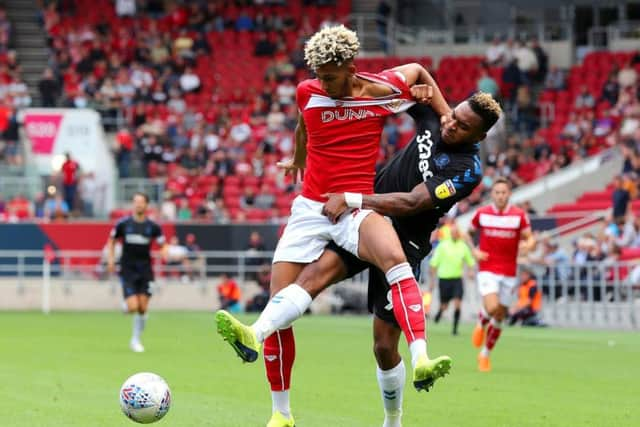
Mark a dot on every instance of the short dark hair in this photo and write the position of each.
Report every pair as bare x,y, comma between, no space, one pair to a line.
501,180
143,195
486,107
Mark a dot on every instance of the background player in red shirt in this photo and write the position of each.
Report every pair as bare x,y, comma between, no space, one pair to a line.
341,119
501,229
70,173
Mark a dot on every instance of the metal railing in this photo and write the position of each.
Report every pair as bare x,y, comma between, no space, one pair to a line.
593,294
27,186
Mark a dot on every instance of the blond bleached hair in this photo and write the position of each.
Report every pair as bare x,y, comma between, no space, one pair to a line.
331,44
486,107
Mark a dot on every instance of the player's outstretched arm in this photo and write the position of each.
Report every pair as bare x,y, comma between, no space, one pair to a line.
528,240
111,255
416,74
389,204
295,167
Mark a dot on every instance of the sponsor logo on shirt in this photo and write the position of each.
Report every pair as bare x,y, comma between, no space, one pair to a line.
442,160
445,190
344,114
502,234
425,143
136,239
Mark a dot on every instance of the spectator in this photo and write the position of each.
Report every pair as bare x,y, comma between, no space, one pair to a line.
220,214
177,258
620,198
275,118
125,7
527,112
183,45
168,208
584,99
487,84
200,45
555,79
542,59
264,47
627,76
189,81
38,205
610,90
496,52
528,208
511,78
329,21
123,156
88,192
571,129
529,301
527,62
184,212
260,300
265,198
70,174
244,22
248,199
286,92
229,294
240,132
56,208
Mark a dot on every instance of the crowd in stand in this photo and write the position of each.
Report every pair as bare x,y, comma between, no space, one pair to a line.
14,95
165,78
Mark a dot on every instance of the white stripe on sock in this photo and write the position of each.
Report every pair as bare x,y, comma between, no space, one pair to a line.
404,309
280,357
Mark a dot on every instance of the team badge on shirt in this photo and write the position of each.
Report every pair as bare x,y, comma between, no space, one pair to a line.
442,160
445,190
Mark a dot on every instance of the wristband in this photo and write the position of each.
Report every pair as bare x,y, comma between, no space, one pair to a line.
353,200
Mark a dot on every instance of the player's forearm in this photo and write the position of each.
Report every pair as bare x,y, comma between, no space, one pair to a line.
111,252
300,150
393,204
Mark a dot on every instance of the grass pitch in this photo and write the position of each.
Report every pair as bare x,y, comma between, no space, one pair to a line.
65,369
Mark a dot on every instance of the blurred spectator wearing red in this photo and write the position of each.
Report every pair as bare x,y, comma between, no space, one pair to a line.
70,170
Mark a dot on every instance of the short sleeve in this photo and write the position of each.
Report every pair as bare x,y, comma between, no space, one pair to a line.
448,188
117,231
475,221
525,222
157,234
302,94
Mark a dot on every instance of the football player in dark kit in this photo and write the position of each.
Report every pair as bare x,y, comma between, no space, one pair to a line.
137,232
439,167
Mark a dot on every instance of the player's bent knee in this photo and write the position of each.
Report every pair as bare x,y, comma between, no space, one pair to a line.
385,350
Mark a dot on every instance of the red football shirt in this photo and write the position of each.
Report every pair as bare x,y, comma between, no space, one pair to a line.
343,135
69,171
500,236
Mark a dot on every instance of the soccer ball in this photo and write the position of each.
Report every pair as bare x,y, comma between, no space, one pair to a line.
145,397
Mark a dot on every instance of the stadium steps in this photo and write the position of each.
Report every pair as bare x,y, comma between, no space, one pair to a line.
368,33
30,43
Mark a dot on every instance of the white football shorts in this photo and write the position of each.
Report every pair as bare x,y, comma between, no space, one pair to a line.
308,232
504,286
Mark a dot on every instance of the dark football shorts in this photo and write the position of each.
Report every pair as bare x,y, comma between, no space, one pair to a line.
450,289
379,292
136,279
